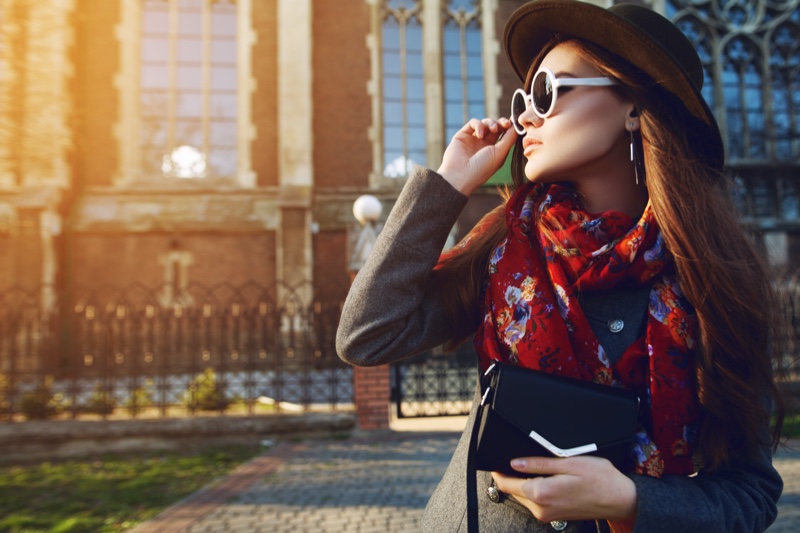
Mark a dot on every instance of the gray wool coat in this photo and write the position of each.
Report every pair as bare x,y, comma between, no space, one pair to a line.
392,312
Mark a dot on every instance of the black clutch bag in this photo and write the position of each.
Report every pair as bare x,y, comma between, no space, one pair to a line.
527,413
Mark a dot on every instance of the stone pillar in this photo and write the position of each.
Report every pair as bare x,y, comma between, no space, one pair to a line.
295,104
434,83
295,145
371,388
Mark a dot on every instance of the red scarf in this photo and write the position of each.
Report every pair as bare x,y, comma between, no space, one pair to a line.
532,317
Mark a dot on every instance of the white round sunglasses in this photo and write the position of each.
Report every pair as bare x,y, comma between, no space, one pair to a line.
544,93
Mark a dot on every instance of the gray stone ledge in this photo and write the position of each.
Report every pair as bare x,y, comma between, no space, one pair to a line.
60,439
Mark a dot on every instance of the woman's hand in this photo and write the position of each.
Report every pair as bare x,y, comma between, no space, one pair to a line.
576,488
476,152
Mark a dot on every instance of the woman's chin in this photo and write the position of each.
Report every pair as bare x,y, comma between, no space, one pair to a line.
534,171
538,177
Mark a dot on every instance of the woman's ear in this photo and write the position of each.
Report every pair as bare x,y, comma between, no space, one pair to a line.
632,120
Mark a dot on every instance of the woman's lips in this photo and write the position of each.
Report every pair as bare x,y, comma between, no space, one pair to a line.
529,144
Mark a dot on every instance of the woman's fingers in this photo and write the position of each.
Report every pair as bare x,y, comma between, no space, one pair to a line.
476,151
578,488
507,136
481,128
542,465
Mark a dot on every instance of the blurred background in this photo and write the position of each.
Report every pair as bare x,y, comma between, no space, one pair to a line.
177,179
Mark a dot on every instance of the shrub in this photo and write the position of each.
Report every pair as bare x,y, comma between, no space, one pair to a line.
4,395
141,398
41,403
204,393
101,401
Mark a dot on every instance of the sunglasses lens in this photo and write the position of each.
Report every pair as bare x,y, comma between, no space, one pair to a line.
517,106
542,91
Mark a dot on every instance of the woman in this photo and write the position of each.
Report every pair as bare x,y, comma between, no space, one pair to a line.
615,259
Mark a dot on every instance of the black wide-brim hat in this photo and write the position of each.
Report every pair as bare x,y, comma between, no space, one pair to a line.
637,34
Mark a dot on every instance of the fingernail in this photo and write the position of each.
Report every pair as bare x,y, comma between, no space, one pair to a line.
518,463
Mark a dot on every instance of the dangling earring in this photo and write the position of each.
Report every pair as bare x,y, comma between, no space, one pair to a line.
633,153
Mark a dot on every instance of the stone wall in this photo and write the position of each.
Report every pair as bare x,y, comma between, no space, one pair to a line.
50,440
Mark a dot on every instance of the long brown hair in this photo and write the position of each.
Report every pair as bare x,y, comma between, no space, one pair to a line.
721,274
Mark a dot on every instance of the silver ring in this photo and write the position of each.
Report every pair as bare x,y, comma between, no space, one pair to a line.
493,493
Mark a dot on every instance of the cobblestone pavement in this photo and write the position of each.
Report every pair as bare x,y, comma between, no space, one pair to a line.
366,484
787,461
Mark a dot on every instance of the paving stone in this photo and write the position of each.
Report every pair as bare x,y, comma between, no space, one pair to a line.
372,487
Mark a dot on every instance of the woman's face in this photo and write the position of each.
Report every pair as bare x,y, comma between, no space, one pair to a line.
585,136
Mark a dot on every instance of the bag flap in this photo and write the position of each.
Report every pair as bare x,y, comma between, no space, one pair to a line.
566,412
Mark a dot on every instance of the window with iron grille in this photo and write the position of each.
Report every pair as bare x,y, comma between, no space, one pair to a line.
462,58
403,86
751,58
188,88
431,76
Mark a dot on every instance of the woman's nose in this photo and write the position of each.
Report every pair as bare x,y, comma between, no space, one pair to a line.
528,117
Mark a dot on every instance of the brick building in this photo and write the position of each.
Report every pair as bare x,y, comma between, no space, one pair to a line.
179,141
159,141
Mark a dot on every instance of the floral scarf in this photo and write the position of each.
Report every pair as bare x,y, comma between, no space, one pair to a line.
553,250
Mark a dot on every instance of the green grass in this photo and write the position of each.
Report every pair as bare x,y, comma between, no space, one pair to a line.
791,426
105,495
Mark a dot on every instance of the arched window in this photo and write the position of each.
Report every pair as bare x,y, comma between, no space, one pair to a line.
429,75
702,39
784,63
35,103
7,172
742,86
462,53
188,88
402,86
750,54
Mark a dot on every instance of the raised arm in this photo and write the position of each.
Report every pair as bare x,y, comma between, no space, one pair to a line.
391,312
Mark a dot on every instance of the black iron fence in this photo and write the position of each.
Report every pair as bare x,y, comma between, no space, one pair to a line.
140,352
436,384
161,352
788,289
767,196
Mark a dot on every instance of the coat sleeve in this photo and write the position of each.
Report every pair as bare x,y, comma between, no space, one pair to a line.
738,498
391,311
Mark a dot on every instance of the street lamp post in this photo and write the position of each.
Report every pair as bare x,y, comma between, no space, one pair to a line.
371,387
367,210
